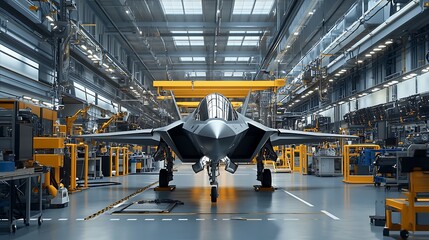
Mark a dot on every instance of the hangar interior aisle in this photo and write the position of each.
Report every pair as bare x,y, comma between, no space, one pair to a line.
209,119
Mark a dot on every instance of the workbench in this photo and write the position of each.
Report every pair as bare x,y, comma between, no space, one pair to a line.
327,165
19,181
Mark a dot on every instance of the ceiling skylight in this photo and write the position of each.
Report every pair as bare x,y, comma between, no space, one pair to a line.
243,59
253,6
243,40
263,6
182,6
237,59
197,74
230,59
192,59
188,40
232,74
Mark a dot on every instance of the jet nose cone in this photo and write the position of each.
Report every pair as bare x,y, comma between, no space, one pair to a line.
216,129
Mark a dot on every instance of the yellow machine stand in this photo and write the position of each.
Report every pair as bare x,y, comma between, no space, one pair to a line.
299,158
53,159
115,160
354,150
73,158
411,209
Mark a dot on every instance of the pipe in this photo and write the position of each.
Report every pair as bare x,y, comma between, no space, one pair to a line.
125,39
276,42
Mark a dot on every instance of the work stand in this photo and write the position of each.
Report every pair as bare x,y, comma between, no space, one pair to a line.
165,189
259,188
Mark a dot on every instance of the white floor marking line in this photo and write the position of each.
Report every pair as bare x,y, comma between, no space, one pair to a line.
132,219
46,219
330,215
62,219
167,219
271,219
80,219
149,219
309,204
200,219
254,219
33,219
226,219
291,219
114,219
183,219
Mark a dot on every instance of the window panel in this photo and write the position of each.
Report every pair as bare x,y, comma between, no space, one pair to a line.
230,59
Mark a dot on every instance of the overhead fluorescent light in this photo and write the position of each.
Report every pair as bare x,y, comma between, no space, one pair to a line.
83,47
381,46
368,55
389,42
48,104
26,97
331,80
50,18
386,85
376,49
359,61
342,102
375,89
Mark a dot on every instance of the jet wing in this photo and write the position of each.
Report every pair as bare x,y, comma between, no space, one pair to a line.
141,137
286,137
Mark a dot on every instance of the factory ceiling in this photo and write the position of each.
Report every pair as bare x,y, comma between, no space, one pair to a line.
217,39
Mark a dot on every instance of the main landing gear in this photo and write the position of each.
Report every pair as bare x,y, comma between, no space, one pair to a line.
165,174
264,175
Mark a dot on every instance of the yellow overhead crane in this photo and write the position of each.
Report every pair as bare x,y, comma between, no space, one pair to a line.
230,89
195,104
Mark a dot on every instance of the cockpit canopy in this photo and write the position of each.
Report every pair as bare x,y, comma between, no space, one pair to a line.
215,105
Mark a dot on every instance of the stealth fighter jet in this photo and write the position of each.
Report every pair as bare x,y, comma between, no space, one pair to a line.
215,132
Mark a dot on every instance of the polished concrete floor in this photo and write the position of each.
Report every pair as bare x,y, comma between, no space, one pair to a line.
303,207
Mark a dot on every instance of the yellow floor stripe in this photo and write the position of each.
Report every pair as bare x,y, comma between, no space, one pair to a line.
118,202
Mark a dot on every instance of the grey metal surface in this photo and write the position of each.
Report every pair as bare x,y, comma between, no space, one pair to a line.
240,213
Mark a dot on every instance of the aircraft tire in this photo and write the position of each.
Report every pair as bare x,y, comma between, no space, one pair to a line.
266,178
163,178
213,194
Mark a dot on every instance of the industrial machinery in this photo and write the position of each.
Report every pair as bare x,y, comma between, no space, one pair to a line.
386,167
16,135
355,171
412,212
50,153
70,120
114,118
327,162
